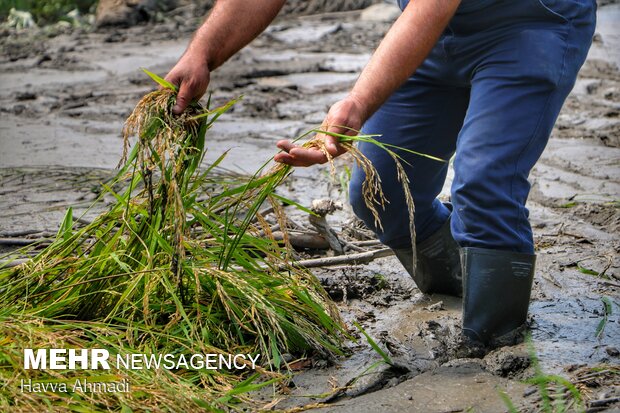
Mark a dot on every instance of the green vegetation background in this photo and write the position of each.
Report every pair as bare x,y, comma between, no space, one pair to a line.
46,11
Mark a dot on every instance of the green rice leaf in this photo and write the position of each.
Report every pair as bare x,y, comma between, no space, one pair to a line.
66,227
373,344
160,80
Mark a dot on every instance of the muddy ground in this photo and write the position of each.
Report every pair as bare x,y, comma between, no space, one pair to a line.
66,92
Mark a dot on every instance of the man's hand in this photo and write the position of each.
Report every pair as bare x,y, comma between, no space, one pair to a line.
344,117
231,25
401,51
191,75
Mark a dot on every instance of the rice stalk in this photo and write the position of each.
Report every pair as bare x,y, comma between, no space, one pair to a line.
162,271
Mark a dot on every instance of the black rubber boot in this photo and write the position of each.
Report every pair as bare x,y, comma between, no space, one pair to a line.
497,287
438,263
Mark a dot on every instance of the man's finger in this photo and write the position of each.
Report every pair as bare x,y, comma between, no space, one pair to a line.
311,156
183,98
331,142
298,156
285,145
331,145
290,160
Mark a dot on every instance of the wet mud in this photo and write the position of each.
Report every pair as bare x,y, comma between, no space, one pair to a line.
66,94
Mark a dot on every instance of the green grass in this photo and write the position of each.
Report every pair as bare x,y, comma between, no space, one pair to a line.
557,394
374,345
46,11
161,272
607,311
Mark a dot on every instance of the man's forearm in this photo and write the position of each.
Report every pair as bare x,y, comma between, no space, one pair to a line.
403,49
231,25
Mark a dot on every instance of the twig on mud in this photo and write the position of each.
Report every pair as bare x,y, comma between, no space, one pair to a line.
552,280
358,258
606,282
297,239
21,242
303,240
344,267
589,376
579,237
352,247
607,266
367,243
603,402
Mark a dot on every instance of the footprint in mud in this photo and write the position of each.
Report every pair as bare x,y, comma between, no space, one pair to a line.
344,286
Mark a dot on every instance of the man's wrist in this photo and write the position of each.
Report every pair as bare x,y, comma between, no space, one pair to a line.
361,102
199,54
199,50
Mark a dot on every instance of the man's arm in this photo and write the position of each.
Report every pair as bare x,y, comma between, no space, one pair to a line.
403,49
231,25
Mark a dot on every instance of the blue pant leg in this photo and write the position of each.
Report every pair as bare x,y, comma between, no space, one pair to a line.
426,118
518,89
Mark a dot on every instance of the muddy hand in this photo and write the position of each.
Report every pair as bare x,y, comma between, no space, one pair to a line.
344,117
191,75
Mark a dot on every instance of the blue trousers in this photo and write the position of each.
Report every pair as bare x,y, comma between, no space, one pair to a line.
489,91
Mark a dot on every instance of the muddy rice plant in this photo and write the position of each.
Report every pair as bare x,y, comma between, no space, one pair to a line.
557,394
168,269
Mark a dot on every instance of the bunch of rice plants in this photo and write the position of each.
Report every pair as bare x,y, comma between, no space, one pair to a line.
162,271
